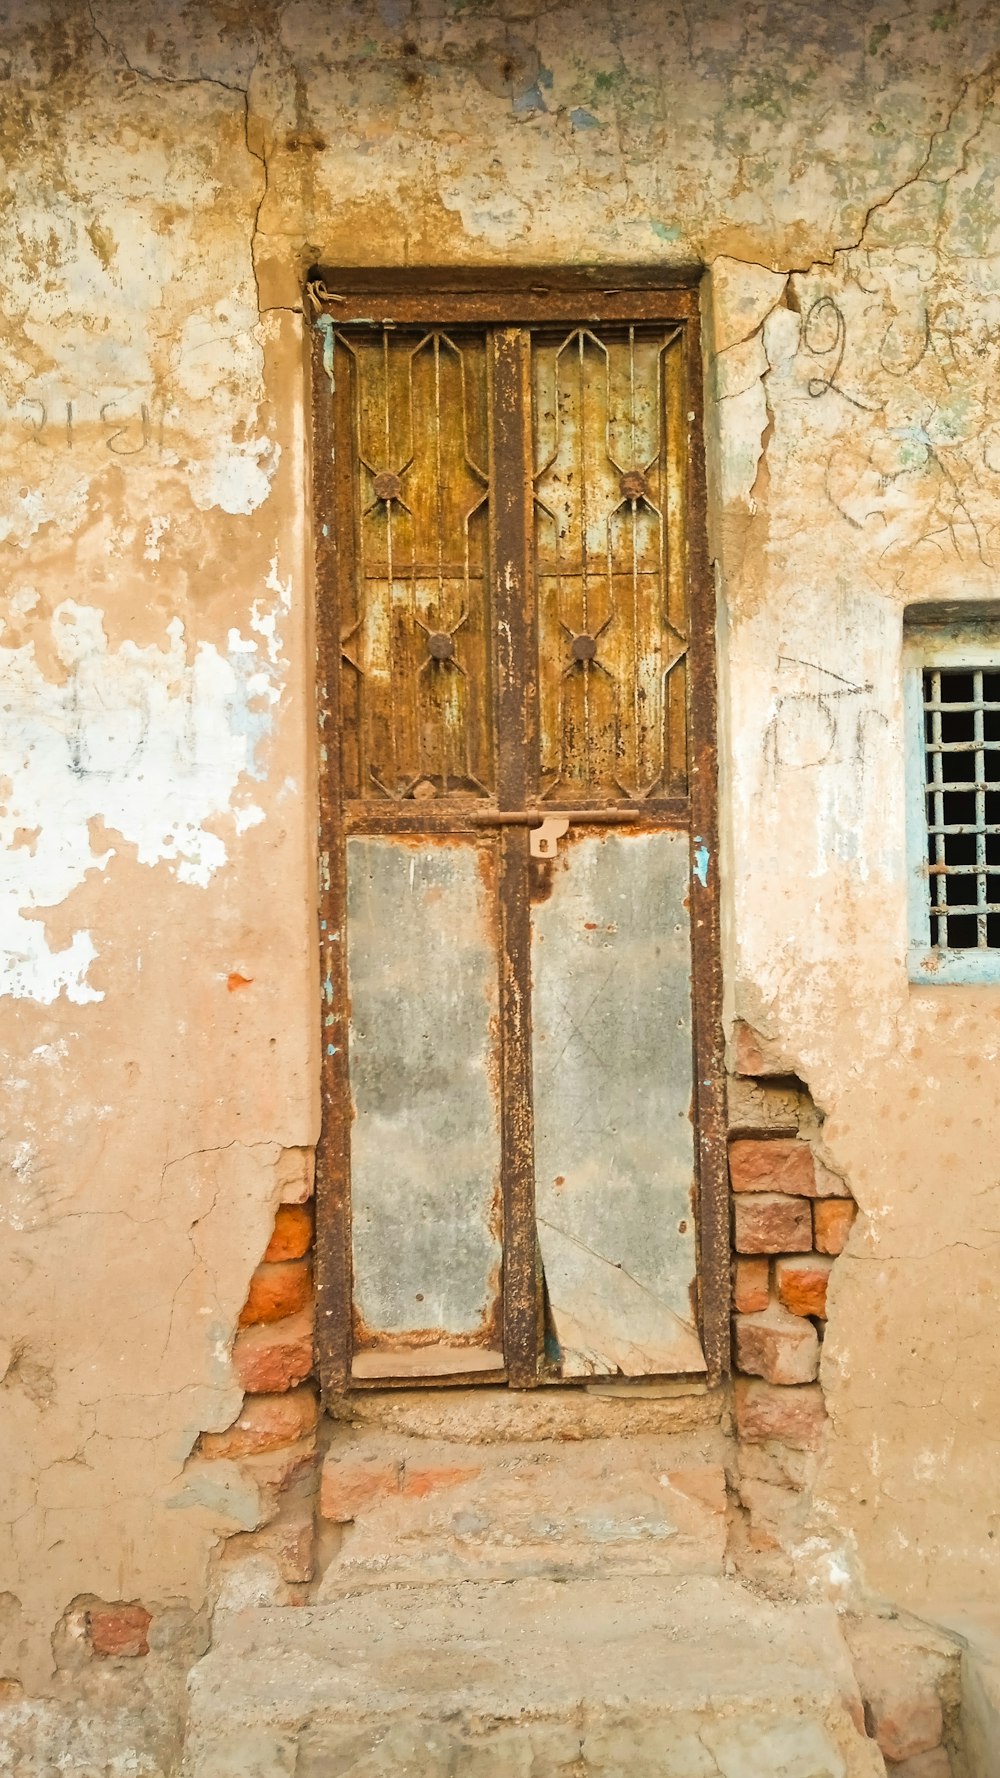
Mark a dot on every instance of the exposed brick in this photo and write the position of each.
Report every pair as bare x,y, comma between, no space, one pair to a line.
277,1291
772,1164
274,1357
790,1416
293,1230
751,1285
279,1474
349,1484
801,1283
266,1423
760,1107
418,1482
766,1222
754,1054
119,1630
832,1219
777,1346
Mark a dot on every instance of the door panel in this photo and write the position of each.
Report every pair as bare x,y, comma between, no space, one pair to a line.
410,409
614,1143
425,1146
608,483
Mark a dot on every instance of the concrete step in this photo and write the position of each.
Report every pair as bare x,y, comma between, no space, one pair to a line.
416,1510
641,1677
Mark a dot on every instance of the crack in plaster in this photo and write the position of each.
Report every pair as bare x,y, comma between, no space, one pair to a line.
226,86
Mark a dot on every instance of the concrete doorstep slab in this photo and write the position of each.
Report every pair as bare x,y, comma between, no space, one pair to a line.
584,1678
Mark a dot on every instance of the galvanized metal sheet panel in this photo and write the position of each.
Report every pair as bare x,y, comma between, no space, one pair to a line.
425,1147
614,1144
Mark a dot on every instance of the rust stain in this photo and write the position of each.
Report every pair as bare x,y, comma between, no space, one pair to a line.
236,980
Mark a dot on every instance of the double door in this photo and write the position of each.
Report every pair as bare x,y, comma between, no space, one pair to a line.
517,1171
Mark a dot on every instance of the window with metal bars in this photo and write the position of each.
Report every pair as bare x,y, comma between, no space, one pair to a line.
954,708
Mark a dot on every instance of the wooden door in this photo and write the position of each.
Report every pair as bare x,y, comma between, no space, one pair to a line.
519,1171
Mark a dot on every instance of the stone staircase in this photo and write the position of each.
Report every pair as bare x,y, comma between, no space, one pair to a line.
610,1677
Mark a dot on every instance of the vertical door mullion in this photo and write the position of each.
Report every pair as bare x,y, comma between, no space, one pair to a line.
516,742
706,965
335,543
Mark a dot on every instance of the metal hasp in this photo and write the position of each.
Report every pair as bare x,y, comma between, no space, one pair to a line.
522,1166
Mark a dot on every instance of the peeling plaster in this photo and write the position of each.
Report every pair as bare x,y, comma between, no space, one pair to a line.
152,742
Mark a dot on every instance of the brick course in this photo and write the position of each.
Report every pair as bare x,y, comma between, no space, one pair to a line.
772,1164
832,1219
777,1346
293,1233
793,1417
751,1285
273,1357
801,1281
766,1222
277,1291
266,1423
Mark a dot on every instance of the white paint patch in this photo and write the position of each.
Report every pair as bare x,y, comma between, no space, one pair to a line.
154,532
238,478
148,741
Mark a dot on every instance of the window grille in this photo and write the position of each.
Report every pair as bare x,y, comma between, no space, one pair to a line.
952,695
962,779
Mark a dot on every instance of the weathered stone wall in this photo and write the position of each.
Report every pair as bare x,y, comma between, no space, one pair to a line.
170,173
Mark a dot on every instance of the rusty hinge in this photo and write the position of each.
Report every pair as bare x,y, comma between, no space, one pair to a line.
548,829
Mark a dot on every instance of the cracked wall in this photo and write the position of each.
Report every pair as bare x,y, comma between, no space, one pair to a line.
171,172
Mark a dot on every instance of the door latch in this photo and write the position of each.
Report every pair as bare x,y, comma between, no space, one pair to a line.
543,842
545,831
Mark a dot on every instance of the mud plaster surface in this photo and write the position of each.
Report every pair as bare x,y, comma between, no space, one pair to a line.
170,173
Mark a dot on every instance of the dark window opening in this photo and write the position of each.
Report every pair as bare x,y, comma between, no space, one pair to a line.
962,799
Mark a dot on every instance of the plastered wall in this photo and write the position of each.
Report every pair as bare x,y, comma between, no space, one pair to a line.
169,174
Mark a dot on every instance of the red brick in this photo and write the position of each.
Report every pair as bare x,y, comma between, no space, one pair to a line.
274,1357
349,1484
791,1416
119,1630
754,1054
766,1222
293,1232
266,1423
779,1347
832,1219
751,1285
276,1292
418,1482
772,1164
801,1283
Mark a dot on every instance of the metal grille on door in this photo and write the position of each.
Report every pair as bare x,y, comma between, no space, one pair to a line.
510,1179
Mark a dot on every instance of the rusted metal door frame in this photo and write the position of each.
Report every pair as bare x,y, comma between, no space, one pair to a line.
507,306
